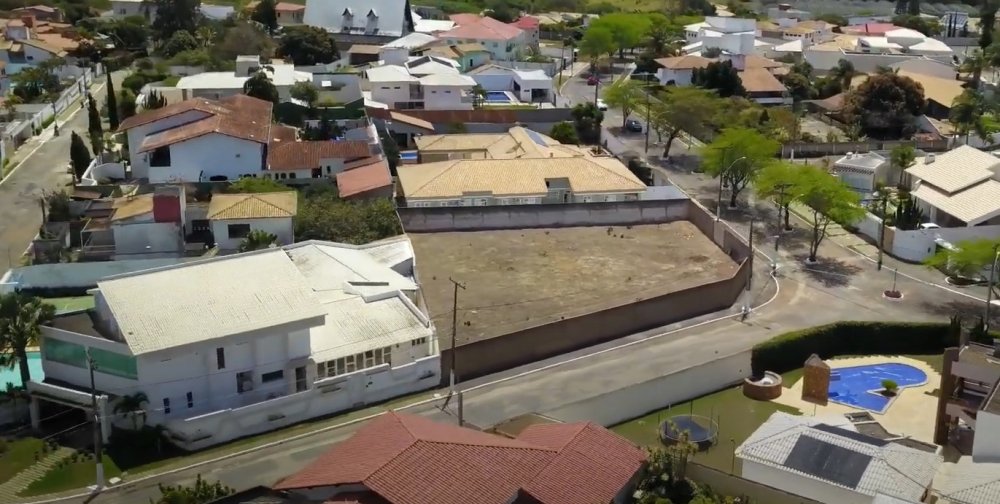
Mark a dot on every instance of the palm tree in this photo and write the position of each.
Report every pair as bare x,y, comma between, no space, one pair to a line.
131,405
256,240
21,318
974,64
478,96
967,114
901,158
844,72
205,36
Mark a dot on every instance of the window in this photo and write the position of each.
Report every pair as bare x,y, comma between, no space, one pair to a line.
244,382
418,341
166,406
160,156
320,370
190,400
239,231
291,175
272,376
300,379
220,353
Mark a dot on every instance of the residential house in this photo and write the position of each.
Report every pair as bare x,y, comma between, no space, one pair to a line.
128,8
234,216
468,56
869,29
27,43
396,87
290,14
41,12
520,181
958,188
399,458
869,52
529,25
832,463
517,143
309,161
215,85
400,50
365,179
763,87
679,70
756,73
968,414
529,86
863,171
199,140
428,25
728,34
147,226
505,42
361,21
360,54
232,346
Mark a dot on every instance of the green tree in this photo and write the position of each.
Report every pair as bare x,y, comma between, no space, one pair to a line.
173,16
627,29
178,42
625,94
886,104
967,114
781,182
154,100
112,103
305,91
737,155
264,13
126,104
257,240
260,86
987,20
564,132
255,185
682,109
94,127
323,216
307,45
21,317
798,86
32,84
834,19
830,200
131,405
843,73
478,96
720,76
243,38
201,492
79,156
974,64
596,42
928,26
588,119
900,158
968,259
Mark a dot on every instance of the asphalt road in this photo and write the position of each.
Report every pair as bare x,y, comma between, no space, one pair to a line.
43,168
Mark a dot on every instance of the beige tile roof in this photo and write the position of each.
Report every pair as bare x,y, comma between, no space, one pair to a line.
941,90
518,142
974,205
686,62
760,80
956,169
132,206
840,42
253,206
512,177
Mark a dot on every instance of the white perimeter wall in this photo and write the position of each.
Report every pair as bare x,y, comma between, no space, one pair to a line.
628,403
800,485
919,244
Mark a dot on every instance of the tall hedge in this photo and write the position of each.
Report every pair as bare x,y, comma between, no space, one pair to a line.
790,350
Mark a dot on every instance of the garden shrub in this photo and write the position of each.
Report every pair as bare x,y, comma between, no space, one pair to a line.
790,350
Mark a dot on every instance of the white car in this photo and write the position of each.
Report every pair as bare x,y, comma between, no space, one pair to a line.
601,105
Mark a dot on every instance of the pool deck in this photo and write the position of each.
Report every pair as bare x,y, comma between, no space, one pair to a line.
907,415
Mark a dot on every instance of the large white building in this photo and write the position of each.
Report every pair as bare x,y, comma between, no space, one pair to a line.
361,21
958,188
397,87
238,345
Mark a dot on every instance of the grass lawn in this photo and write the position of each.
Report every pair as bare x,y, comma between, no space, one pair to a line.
68,477
68,304
19,455
738,417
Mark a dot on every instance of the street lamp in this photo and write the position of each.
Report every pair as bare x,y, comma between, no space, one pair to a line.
989,288
722,176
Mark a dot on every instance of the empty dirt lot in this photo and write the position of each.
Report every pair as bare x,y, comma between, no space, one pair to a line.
520,278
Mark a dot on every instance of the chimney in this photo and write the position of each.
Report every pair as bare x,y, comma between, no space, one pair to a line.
928,159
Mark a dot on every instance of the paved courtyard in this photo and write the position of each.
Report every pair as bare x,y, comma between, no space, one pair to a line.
524,277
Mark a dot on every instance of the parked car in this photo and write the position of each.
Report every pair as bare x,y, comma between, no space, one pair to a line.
593,80
929,225
601,105
633,125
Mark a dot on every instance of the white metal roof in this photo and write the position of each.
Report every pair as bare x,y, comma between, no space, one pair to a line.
456,80
205,300
412,41
331,266
879,42
354,325
868,161
956,169
894,470
973,205
389,73
969,482
930,45
283,75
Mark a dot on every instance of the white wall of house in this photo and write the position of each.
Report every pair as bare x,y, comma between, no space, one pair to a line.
986,445
140,160
801,485
140,238
390,93
500,50
680,77
125,8
207,156
280,227
447,98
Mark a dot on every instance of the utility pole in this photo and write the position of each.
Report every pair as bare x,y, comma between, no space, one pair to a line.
781,225
98,436
881,231
750,257
989,289
454,332
648,118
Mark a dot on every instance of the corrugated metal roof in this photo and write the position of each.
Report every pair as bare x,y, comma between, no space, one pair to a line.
956,169
210,299
253,206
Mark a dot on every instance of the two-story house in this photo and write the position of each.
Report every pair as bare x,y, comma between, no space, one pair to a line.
199,140
398,88
237,345
505,42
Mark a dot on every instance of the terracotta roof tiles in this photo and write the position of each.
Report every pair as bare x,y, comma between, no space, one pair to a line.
358,180
253,206
485,28
308,155
237,116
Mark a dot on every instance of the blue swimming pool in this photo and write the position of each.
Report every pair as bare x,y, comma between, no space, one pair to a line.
13,374
497,97
858,386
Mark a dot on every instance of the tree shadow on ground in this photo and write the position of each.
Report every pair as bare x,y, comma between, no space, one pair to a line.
969,309
829,272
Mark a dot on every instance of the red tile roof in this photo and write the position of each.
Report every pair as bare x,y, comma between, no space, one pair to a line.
361,178
485,28
463,18
237,116
407,459
526,23
873,29
288,7
307,155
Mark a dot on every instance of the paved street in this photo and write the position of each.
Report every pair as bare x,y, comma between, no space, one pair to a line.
43,168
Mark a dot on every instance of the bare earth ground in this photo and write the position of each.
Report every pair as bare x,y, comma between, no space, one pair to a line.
525,277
